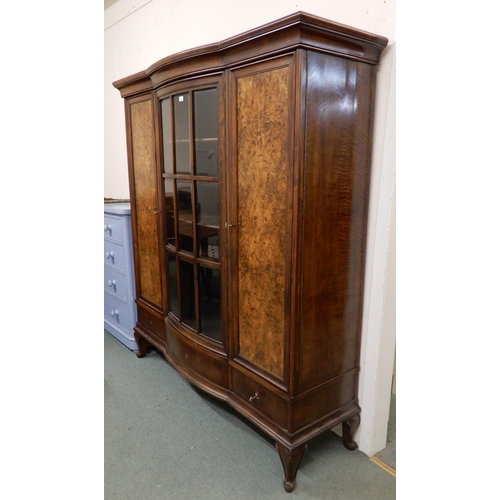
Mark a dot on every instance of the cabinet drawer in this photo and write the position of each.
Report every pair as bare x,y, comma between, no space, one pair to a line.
113,228
261,398
201,361
116,283
151,322
116,311
114,255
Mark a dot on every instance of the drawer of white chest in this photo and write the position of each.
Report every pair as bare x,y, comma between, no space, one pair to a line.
117,284
114,255
113,228
115,310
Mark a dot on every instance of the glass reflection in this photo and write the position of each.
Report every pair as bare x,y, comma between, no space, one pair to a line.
207,198
210,308
169,212
172,279
166,113
182,134
206,132
187,294
185,215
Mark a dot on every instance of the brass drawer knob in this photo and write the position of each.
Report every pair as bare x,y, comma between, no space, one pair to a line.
254,397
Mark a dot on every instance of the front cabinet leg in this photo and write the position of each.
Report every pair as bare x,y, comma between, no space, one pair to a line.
349,427
290,461
142,345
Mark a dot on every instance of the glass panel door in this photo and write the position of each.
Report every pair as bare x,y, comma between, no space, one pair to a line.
185,215
210,307
166,110
190,127
207,220
182,131
169,213
205,130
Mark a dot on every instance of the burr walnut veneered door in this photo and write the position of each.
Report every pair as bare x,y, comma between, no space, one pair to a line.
145,201
261,178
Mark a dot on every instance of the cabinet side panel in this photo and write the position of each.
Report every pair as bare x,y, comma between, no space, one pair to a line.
337,172
262,121
144,178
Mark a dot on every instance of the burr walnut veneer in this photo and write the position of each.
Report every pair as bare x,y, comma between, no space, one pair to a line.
249,165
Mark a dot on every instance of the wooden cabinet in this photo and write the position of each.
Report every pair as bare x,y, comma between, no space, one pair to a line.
249,167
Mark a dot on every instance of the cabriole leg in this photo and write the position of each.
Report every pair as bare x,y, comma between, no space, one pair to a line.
290,461
142,345
349,427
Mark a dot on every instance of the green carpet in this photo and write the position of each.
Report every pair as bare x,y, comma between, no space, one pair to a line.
164,439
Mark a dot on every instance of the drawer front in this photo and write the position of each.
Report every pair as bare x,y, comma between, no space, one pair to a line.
261,398
207,364
115,283
151,322
113,228
114,255
331,397
116,311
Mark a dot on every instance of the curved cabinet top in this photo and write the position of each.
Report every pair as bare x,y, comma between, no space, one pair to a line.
298,30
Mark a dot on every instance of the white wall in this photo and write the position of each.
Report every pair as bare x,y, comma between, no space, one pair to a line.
140,32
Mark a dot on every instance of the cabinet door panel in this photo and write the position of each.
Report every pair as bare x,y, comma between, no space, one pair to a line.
146,201
336,179
193,115
263,175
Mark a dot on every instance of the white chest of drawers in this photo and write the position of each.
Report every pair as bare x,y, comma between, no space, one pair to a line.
120,312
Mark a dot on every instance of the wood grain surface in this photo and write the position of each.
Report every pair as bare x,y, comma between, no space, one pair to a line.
295,111
337,172
262,119
145,197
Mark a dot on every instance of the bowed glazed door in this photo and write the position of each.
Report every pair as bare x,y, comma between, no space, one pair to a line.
192,132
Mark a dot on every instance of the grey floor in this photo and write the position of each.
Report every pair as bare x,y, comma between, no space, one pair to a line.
165,439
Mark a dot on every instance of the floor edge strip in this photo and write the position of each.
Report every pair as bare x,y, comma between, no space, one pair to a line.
383,465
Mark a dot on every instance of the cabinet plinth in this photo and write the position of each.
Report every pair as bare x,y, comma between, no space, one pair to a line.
249,167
